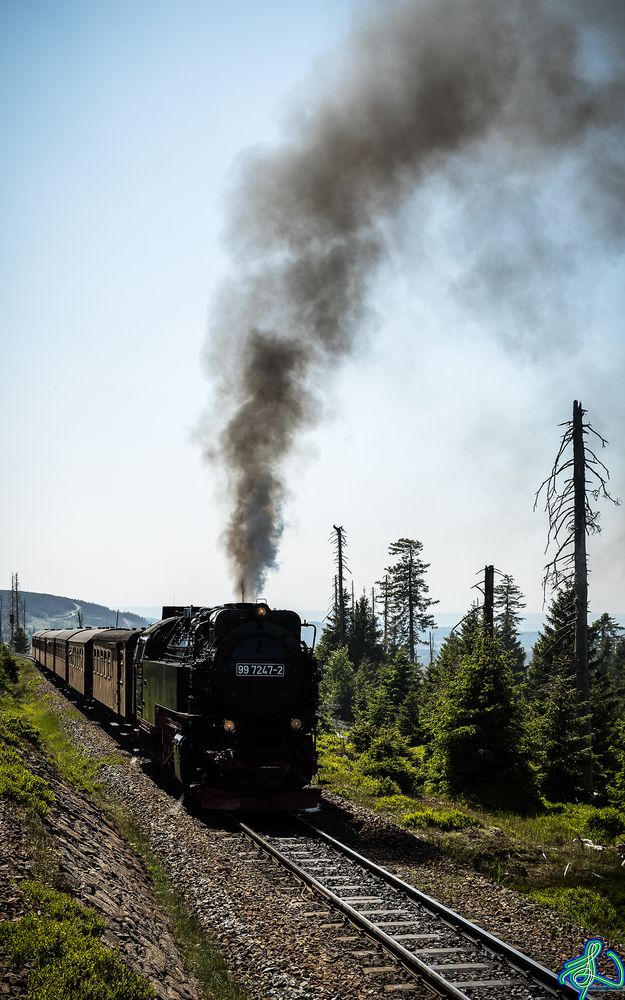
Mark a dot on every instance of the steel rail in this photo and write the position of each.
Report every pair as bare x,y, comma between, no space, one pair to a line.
411,961
539,973
516,960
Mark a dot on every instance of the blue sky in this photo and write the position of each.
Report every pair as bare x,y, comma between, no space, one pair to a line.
121,129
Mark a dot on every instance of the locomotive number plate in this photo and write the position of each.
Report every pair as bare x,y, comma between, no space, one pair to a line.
260,669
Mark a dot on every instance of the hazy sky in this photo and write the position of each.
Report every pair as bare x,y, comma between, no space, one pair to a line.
123,127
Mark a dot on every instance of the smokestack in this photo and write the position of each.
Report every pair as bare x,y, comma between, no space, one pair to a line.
420,90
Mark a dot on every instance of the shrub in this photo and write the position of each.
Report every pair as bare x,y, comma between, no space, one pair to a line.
18,783
58,941
14,728
386,787
376,787
606,824
585,907
398,771
445,819
362,734
390,756
8,668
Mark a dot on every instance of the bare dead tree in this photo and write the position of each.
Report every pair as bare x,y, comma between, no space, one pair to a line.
487,590
575,482
340,544
489,598
566,517
383,602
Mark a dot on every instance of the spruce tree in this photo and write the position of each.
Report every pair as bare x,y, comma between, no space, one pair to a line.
616,786
21,642
557,736
336,690
407,595
508,605
474,727
363,634
607,653
330,639
554,650
556,739
409,717
373,707
607,696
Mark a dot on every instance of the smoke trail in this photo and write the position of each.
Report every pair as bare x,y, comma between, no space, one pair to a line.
420,88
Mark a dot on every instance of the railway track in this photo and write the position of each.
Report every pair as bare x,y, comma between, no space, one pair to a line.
435,946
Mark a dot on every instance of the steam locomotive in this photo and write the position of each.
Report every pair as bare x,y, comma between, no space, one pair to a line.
224,697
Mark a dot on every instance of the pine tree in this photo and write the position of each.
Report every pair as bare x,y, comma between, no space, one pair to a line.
556,740
616,787
460,641
336,690
407,594
366,680
373,707
474,727
330,639
409,716
21,643
606,646
607,696
554,650
363,635
557,737
508,605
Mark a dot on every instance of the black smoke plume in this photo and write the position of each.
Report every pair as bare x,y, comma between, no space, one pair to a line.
420,88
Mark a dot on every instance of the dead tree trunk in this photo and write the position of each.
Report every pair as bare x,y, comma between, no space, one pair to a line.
581,586
489,598
385,613
341,600
411,638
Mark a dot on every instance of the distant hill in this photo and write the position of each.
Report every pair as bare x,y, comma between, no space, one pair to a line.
49,611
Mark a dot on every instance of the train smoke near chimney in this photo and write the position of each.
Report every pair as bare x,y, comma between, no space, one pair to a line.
420,88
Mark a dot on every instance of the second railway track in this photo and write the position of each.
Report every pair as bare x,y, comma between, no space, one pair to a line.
434,945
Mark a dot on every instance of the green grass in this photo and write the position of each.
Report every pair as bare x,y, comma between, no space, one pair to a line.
36,711
57,944
588,907
441,819
394,804
18,783
27,719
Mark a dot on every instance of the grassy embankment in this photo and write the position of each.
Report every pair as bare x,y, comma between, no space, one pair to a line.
57,942
543,856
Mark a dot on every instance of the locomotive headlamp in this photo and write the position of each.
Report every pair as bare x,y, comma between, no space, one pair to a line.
261,611
229,725
296,724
